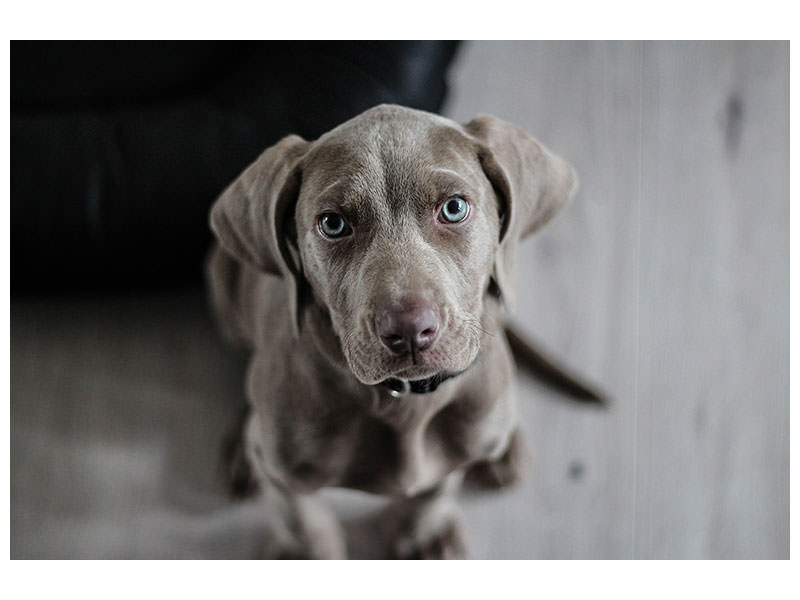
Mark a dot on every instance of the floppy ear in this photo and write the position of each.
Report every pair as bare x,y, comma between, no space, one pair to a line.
532,185
252,217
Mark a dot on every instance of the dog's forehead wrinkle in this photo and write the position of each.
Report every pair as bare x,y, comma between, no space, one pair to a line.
446,171
333,188
389,162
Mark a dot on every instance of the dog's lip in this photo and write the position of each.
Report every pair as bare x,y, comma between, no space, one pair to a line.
415,372
403,370
406,367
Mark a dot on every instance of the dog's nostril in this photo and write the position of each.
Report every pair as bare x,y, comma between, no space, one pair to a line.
424,339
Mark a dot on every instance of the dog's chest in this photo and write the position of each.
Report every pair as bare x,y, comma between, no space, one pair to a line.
395,446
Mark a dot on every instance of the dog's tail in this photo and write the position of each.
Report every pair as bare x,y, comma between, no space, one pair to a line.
549,372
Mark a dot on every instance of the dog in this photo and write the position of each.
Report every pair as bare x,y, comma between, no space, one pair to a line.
367,273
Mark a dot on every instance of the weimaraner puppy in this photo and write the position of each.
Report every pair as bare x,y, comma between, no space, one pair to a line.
366,272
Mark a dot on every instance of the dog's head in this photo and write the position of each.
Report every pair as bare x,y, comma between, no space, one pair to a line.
398,223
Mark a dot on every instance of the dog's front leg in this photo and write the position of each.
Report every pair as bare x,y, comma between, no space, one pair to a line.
428,526
300,526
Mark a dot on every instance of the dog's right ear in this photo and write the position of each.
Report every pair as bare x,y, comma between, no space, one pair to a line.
251,217
532,185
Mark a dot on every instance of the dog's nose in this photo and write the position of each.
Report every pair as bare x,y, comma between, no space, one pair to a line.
409,329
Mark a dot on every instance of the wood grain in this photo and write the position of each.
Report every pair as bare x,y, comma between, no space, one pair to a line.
667,281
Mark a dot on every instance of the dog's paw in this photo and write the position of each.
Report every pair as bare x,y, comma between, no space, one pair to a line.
309,530
277,549
281,549
299,553
445,542
500,473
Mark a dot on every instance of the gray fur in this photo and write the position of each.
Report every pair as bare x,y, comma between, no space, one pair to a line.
306,307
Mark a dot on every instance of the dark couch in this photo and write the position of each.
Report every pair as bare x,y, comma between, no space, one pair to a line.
119,148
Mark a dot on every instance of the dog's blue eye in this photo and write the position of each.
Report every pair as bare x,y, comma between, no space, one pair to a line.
454,210
333,225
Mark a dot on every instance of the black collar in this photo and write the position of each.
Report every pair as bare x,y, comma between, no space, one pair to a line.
402,387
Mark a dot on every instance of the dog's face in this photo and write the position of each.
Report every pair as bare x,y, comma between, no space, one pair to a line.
397,227
398,221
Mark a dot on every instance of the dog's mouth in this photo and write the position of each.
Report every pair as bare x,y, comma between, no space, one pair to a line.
407,368
416,371
417,364
407,381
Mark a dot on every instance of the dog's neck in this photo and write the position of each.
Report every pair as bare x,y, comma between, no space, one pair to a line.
403,387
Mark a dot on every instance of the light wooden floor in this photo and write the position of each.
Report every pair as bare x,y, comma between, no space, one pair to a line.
667,282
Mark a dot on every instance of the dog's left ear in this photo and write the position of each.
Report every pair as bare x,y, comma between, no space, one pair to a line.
532,184
253,217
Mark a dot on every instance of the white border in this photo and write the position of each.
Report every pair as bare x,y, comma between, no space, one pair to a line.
406,19
367,20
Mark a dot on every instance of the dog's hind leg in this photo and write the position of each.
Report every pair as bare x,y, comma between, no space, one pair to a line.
236,472
501,472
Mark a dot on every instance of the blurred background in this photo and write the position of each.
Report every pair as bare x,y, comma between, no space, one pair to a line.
666,283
